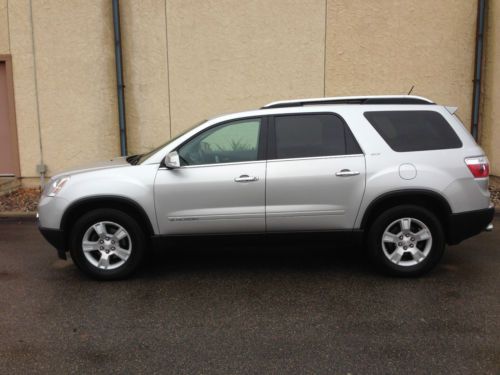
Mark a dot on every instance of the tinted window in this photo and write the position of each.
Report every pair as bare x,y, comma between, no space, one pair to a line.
414,130
299,136
227,143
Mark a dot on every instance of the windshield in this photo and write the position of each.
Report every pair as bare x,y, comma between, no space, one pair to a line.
141,158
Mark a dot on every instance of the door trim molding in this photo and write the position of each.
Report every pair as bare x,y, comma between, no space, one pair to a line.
11,108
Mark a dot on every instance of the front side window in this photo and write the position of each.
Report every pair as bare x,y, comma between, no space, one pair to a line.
311,135
406,131
231,142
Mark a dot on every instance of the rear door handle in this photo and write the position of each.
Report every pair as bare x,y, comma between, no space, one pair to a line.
346,173
245,178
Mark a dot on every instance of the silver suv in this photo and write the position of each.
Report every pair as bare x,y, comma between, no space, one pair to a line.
399,174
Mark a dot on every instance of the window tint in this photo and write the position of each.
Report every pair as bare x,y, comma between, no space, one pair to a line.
414,130
228,143
299,136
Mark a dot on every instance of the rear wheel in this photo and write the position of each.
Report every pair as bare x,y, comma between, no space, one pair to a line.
107,244
406,240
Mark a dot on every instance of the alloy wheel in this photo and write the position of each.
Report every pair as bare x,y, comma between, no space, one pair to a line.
406,242
106,245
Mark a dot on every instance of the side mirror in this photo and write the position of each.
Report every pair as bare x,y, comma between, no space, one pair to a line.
172,160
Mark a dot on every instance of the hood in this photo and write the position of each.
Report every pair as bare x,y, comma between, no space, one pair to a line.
112,163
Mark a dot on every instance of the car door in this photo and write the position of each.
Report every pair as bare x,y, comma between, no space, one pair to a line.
220,186
315,176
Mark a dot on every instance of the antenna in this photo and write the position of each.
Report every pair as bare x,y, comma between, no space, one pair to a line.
409,92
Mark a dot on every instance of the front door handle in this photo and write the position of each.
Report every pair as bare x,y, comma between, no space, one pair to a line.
346,173
245,178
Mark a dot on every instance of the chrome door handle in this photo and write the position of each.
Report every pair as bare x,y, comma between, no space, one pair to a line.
245,178
346,173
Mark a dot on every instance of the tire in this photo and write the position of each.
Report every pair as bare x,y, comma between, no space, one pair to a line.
406,241
115,244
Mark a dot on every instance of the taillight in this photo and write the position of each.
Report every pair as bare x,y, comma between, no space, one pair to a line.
479,166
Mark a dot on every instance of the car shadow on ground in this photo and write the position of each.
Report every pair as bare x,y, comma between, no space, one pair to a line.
256,256
280,258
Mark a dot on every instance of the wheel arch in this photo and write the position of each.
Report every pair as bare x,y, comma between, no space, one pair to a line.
127,205
428,199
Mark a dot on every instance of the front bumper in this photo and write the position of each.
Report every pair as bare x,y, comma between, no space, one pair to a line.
56,238
467,224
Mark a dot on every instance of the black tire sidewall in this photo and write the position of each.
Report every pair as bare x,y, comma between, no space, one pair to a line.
131,226
380,224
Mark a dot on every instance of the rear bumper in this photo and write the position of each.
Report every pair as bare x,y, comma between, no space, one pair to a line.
56,238
467,224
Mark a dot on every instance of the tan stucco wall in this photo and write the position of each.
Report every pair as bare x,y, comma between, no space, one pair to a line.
230,55
24,86
75,77
4,28
76,85
186,60
387,46
490,121
145,73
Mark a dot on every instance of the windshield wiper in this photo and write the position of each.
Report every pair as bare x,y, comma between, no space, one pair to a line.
133,159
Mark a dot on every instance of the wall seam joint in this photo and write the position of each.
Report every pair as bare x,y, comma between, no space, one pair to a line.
35,76
168,73
324,50
8,26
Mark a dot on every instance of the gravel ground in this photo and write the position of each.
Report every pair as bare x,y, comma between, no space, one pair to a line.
23,199
495,190
26,199
495,196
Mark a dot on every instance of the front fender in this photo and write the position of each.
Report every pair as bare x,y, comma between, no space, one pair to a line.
134,183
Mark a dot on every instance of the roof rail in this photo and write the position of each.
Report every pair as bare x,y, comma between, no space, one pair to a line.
380,99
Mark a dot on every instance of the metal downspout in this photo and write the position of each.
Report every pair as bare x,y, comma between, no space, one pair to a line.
476,94
119,77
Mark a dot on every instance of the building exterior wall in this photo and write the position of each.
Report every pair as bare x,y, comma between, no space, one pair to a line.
145,73
20,42
388,46
4,28
63,81
187,60
227,55
74,62
490,119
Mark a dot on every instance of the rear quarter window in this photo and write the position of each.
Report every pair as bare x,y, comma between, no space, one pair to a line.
406,131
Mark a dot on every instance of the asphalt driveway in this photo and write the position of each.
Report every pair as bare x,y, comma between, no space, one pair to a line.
260,309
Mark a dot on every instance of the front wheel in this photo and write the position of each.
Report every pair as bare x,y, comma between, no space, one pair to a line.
107,244
406,240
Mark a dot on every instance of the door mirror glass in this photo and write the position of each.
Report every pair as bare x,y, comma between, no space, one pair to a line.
172,160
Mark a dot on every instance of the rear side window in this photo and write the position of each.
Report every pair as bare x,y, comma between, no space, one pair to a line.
414,130
300,136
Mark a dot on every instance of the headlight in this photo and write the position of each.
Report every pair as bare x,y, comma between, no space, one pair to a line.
55,187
